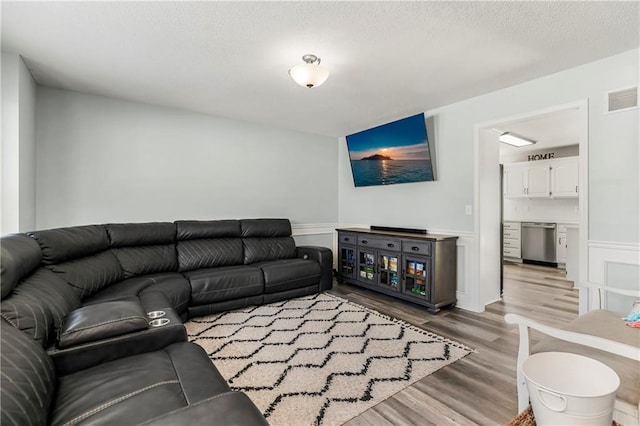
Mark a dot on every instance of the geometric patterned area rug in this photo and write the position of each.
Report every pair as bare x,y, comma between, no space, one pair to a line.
318,360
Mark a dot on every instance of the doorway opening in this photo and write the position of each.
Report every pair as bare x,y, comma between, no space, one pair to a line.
531,200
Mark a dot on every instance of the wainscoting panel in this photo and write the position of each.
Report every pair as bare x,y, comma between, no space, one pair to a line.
316,234
612,264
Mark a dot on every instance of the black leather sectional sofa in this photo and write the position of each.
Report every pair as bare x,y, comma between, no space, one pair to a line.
81,343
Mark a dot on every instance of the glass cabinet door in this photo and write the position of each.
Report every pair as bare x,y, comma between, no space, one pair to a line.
416,276
389,265
367,266
347,263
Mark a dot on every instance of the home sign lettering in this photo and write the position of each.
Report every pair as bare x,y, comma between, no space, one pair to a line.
536,157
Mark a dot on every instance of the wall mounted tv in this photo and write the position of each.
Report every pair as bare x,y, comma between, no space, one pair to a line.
396,152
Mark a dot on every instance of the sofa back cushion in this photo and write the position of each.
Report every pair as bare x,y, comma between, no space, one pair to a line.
267,239
28,379
31,316
265,228
144,248
261,249
208,244
19,256
80,255
39,304
88,275
63,244
200,229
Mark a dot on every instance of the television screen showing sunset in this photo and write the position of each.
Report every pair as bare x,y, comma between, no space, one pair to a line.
396,152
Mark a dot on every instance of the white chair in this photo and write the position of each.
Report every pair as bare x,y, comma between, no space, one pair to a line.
598,334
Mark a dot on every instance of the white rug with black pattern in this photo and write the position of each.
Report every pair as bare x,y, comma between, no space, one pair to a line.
318,360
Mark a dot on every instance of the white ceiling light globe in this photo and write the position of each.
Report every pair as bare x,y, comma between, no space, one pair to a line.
311,73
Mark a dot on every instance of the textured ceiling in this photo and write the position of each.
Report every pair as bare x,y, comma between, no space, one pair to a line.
387,59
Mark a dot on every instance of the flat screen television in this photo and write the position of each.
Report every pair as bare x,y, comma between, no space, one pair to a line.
396,152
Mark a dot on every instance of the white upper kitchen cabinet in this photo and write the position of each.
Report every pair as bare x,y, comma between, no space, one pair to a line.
564,177
538,180
557,178
525,180
513,182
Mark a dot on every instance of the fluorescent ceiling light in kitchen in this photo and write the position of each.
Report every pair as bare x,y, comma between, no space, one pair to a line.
511,139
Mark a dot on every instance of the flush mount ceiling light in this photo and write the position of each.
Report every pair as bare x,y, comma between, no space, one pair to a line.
511,139
311,73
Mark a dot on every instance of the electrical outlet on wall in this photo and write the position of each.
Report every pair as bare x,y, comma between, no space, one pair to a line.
468,210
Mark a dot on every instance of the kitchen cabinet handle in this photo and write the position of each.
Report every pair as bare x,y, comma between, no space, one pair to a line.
346,238
364,241
414,248
390,245
576,188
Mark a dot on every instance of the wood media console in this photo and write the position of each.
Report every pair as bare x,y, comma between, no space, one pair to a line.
418,268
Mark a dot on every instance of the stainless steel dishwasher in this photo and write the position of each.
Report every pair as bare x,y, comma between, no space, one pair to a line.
539,241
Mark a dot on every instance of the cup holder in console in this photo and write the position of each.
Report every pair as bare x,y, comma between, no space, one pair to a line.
156,314
159,322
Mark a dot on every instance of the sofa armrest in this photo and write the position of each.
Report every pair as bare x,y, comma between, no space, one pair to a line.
85,355
99,322
229,409
324,256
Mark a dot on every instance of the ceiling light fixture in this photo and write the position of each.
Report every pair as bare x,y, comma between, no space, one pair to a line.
311,73
511,139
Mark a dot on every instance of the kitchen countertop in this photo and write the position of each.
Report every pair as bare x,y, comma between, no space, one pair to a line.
566,223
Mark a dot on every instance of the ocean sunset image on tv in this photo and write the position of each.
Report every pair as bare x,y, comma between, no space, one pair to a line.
397,152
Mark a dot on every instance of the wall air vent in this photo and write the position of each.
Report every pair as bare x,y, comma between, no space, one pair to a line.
622,99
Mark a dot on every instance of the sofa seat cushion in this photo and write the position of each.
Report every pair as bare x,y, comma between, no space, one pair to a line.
173,285
608,325
224,283
138,388
289,274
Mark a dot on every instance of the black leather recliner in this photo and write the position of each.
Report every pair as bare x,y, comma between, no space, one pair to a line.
174,385
81,297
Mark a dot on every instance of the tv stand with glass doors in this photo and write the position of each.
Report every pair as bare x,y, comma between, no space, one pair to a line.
418,268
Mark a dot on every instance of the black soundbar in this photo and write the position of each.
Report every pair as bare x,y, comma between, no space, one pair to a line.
405,230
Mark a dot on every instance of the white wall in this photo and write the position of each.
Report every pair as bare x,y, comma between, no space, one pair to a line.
489,245
18,146
107,160
613,146
437,205
614,180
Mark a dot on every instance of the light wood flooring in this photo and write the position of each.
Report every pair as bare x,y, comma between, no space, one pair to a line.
480,388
